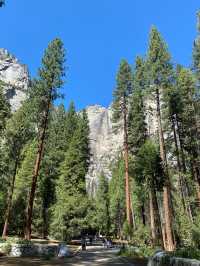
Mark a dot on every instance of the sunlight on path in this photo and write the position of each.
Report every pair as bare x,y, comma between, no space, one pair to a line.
93,256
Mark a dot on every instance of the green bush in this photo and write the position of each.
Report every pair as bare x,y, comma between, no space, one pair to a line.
134,252
189,253
141,237
6,248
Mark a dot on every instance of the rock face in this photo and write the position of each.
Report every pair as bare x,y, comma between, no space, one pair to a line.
15,79
105,145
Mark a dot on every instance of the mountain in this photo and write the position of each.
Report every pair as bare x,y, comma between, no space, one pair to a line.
15,78
105,145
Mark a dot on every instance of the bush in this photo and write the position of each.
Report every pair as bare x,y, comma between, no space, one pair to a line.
6,248
141,237
134,252
188,253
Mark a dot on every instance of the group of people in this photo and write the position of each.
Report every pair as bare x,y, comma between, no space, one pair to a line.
107,242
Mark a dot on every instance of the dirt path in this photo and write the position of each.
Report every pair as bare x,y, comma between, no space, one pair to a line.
94,256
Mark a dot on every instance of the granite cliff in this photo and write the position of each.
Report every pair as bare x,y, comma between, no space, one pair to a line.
15,78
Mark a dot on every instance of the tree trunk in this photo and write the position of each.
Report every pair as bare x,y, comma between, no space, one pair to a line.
142,207
9,200
170,245
155,220
152,219
35,173
182,181
183,167
127,184
44,229
196,175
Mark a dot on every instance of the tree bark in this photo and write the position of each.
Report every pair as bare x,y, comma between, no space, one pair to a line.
9,201
152,219
35,173
127,184
155,220
183,187
170,245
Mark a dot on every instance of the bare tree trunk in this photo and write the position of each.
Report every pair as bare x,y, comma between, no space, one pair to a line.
170,245
156,227
35,173
127,184
9,200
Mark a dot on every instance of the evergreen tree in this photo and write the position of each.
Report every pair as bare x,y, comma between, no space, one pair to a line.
117,198
102,206
54,151
71,207
18,131
149,171
120,112
137,132
160,78
44,92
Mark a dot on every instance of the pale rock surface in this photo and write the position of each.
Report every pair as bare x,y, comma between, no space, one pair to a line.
15,78
105,144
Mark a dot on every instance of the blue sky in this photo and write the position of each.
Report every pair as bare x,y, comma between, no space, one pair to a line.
97,34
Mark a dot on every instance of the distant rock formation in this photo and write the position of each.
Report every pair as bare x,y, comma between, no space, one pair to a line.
15,79
104,143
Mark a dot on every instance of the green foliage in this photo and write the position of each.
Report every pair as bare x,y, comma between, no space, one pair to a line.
141,237
148,165
158,60
4,109
137,132
102,206
188,253
135,252
117,198
71,208
122,91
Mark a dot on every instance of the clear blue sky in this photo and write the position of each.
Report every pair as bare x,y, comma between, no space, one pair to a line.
97,34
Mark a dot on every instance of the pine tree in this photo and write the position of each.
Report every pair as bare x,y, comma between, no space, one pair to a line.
102,206
160,76
137,132
149,171
117,198
44,92
196,100
18,131
120,112
71,206
187,124
54,151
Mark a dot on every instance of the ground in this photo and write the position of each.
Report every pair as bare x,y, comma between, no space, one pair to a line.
93,256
